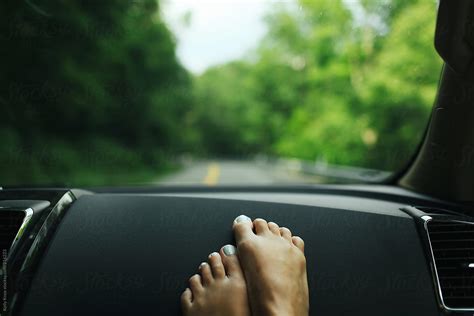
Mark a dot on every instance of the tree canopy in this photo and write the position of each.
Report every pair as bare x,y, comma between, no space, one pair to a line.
335,84
92,91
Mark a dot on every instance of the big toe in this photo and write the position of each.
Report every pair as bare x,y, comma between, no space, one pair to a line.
231,261
243,228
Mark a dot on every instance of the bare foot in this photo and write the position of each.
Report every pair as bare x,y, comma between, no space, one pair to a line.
219,289
274,265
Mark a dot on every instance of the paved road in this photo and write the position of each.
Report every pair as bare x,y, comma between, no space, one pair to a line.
232,173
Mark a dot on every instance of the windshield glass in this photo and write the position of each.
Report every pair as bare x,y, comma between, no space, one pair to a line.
148,92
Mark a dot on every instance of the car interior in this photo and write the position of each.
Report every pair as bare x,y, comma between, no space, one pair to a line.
403,246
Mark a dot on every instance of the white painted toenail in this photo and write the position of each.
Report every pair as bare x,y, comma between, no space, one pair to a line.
242,219
229,250
213,254
202,265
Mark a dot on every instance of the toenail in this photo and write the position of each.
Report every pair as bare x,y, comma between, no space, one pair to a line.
242,219
229,250
213,254
202,265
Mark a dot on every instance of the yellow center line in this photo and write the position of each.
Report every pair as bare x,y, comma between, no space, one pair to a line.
213,173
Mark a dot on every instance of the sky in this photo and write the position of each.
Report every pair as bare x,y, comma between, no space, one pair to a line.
219,30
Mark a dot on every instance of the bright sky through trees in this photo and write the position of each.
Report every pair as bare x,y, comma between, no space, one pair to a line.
218,31
106,100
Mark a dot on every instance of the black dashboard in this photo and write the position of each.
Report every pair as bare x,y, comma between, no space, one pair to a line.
371,250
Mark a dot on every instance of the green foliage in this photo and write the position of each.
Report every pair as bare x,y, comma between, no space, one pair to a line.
334,85
92,92
400,93
229,120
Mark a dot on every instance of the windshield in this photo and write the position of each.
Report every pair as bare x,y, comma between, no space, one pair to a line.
148,92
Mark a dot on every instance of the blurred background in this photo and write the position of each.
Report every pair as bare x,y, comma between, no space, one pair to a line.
211,92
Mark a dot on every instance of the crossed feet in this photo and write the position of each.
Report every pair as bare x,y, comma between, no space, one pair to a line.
264,276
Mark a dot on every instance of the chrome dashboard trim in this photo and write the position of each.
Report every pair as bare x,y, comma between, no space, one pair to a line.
51,220
40,240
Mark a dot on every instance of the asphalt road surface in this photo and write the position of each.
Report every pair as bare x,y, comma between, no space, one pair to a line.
212,173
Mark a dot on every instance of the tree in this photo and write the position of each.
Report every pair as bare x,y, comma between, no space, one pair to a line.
96,86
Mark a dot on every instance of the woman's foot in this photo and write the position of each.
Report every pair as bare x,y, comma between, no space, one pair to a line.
274,265
219,289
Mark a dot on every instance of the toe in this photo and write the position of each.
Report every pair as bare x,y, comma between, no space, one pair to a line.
261,226
186,300
242,228
206,273
285,233
196,285
231,261
217,267
274,228
298,242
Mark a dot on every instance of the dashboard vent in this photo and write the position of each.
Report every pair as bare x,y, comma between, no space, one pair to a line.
10,225
452,243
